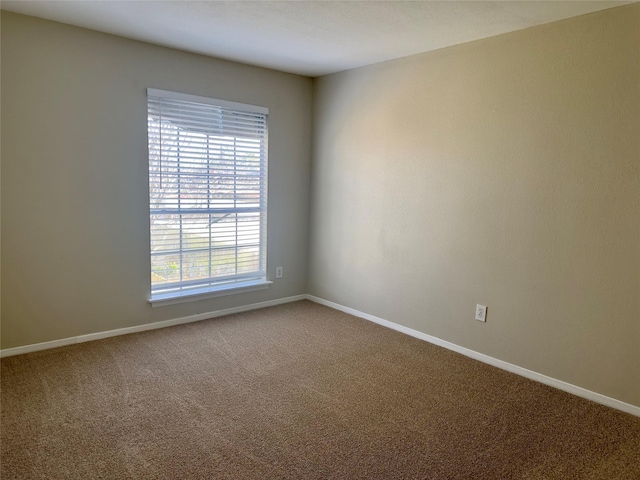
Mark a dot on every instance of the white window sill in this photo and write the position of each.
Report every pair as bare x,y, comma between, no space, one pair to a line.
172,298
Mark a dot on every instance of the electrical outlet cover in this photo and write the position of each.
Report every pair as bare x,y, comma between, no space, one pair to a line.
481,313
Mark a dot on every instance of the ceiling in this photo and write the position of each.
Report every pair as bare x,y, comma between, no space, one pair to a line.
311,38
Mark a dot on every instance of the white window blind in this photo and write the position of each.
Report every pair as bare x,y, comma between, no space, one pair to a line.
207,192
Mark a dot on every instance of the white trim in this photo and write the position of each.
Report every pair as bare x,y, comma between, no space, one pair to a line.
552,382
160,300
538,377
186,97
36,347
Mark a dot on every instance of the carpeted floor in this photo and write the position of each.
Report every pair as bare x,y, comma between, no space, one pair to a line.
298,391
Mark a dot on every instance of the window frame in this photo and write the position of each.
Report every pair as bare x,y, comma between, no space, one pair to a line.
214,285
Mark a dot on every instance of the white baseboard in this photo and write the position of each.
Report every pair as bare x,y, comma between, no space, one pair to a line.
7,352
538,377
567,387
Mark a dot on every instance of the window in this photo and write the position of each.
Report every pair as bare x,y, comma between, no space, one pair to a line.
207,196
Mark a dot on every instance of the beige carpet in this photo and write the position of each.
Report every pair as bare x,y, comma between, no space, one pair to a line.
295,391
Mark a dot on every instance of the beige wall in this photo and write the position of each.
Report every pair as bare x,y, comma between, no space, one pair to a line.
504,172
75,241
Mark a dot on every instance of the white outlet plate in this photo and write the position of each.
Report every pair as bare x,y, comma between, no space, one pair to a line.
278,272
481,313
